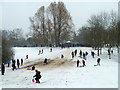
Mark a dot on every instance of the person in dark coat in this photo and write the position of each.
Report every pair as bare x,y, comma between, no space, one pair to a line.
83,63
108,51
38,76
2,68
86,53
45,61
21,61
42,51
33,67
77,63
72,54
18,63
112,51
51,50
92,54
13,65
75,52
98,61
83,55
80,53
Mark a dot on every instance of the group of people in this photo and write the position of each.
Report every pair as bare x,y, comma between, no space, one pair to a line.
84,55
41,51
74,53
18,63
83,63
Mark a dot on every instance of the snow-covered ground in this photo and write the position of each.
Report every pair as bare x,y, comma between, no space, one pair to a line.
66,75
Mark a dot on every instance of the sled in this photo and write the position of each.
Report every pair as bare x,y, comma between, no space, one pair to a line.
28,68
78,56
95,65
33,80
15,68
38,53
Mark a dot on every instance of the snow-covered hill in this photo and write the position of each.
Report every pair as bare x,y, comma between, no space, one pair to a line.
63,73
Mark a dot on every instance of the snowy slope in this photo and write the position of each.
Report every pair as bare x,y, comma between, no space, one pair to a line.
66,75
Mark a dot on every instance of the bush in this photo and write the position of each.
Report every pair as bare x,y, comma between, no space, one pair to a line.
7,52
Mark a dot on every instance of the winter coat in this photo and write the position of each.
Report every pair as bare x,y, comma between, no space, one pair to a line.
38,76
98,60
3,68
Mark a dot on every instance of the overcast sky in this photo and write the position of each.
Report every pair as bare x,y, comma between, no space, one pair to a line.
16,14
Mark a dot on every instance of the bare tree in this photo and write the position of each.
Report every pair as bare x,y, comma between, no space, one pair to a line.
52,24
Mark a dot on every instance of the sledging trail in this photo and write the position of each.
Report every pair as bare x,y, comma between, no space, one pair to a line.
55,62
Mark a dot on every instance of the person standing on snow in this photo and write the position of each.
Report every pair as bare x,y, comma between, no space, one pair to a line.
83,63
80,53
92,53
83,55
72,54
2,68
18,63
21,61
13,65
75,52
77,63
98,61
42,51
86,53
50,49
109,53
38,76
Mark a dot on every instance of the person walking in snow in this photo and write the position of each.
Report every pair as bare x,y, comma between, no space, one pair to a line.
75,52
86,53
83,55
2,68
98,61
21,61
83,63
13,65
72,54
92,53
42,51
50,49
80,53
109,54
18,63
37,76
77,63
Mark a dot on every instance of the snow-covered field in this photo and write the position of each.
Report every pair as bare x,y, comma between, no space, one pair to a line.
65,75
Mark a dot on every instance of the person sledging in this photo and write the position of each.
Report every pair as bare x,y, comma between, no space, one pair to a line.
37,76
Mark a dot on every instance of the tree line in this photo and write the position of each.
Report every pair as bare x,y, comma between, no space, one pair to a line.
101,30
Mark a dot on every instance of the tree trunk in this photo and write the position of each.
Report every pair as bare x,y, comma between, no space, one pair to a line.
98,52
